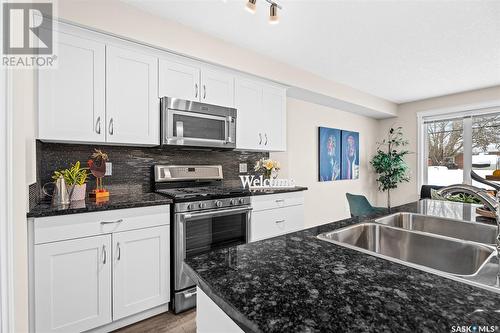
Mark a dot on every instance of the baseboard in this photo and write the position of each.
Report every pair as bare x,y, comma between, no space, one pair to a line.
130,320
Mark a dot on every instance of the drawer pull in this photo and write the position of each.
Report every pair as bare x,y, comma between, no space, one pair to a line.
280,221
104,254
280,201
112,222
118,249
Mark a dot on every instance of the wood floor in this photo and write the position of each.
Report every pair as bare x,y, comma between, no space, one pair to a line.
165,322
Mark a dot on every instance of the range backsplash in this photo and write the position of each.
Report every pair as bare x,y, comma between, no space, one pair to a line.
132,166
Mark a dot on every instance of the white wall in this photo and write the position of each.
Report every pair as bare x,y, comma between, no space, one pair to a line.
407,118
325,201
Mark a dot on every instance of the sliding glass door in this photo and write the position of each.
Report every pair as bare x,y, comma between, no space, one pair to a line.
455,144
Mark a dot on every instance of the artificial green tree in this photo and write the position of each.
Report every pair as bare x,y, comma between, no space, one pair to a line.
389,163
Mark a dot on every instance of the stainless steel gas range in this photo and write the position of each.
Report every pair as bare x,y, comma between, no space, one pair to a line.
206,216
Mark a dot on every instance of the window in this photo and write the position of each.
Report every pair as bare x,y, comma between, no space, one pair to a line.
454,144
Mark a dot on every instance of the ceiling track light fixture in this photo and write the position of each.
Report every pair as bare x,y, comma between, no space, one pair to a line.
251,6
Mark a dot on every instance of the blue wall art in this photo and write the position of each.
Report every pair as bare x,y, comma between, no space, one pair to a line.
350,155
329,154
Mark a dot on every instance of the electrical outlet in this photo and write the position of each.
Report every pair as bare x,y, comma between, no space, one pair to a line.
243,168
109,169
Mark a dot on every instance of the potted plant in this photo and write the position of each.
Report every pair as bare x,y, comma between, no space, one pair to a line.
76,179
268,167
389,163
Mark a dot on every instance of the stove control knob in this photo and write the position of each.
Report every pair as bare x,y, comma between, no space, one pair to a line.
218,203
232,202
242,201
189,207
202,205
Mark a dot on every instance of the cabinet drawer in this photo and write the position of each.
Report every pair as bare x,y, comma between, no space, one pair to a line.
56,228
275,222
272,201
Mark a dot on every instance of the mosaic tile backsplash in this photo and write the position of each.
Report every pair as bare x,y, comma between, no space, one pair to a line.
132,166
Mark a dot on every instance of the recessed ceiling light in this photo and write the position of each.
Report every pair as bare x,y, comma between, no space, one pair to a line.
250,6
273,14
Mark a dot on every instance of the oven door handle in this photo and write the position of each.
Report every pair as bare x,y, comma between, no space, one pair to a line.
214,213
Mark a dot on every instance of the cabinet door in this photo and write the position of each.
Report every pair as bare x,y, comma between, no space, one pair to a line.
217,88
179,80
274,105
141,270
71,98
132,106
250,117
274,222
73,284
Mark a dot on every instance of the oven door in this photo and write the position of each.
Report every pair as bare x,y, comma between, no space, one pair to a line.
200,232
188,128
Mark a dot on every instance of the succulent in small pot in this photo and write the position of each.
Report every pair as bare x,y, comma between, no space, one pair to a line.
76,180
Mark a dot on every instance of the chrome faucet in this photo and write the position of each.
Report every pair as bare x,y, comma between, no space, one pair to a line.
492,203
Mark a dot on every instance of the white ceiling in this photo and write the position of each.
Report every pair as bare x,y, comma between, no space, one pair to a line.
398,50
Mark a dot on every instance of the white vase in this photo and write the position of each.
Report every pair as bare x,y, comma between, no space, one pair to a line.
78,192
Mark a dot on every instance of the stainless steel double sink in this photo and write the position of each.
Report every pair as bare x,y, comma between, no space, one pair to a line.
442,246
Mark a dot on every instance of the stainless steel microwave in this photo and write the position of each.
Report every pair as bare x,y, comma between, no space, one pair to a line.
194,124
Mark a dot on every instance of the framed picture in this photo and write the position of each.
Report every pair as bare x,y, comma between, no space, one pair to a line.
350,155
329,154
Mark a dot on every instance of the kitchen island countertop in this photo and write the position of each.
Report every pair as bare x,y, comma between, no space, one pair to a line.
298,283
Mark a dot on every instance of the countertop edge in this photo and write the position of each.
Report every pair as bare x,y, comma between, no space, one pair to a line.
245,324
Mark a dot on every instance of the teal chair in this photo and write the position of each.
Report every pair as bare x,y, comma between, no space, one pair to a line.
360,206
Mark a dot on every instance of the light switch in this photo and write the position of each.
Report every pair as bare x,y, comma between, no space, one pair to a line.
109,169
243,168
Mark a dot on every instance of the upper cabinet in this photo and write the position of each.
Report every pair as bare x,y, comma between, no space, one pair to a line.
261,121
217,87
99,93
179,80
132,107
188,80
71,97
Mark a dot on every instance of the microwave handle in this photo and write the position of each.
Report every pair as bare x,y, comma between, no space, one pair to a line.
229,120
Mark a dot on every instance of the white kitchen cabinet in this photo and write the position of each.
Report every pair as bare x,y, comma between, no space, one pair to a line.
71,97
140,270
132,107
217,87
274,110
98,270
276,214
248,103
73,284
191,81
179,80
261,116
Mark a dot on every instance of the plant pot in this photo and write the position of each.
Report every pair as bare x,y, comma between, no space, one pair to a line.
78,192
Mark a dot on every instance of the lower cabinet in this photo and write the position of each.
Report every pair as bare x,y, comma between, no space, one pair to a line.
276,214
73,284
85,283
140,270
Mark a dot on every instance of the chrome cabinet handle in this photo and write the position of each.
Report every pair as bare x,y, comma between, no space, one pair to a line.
190,294
280,221
104,254
265,143
196,90
119,251
112,222
280,200
98,125
111,127
260,137
204,91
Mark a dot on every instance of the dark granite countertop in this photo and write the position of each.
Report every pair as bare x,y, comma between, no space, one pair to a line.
277,190
298,283
116,201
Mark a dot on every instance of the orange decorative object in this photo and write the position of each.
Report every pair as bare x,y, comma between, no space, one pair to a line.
97,166
496,173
